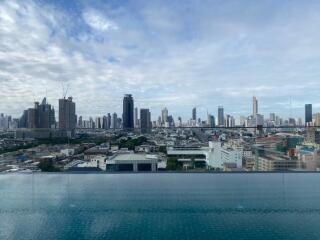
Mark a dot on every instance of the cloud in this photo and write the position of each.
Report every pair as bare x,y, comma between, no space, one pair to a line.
97,21
163,52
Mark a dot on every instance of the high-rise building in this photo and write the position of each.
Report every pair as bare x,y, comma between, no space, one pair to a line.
254,106
272,117
145,121
317,123
46,115
41,116
67,114
23,121
220,116
164,116
136,125
114,123
308,113
108,121
98,123
211,121
80,122
259,120
194,114
127,116
5,121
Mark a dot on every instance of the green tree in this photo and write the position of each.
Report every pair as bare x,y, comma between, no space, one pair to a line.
173,164
48,166
163,149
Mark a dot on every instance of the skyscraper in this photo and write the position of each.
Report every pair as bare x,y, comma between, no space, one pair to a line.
108,121
308,113
254,106
127,116
145,121
220,116
41,116
114,123
194,114
211,121
272,117
164,116
80,122
45,114
67,114
136,125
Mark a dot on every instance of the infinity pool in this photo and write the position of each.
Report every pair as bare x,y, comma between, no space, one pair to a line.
160,206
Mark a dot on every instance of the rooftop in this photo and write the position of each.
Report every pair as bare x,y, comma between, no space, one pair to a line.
133,157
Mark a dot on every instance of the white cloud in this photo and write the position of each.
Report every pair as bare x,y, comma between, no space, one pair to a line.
97,21
170,56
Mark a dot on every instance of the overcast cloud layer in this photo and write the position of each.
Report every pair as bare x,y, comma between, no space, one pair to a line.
177,54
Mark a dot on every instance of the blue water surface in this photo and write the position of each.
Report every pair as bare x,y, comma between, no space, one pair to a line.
160,206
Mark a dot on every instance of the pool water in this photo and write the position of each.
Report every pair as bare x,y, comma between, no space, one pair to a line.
160,206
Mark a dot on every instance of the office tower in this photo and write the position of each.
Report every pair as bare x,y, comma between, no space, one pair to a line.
145,121
164,116
159,122
211,121
228,121
108,121
98,123
91,123
308,113
32,118
23,121
80,124
114,121
45,114
5,121
259,119
179,121
317,123
272,117
254,106
220,116
104,122
194,114
292,122
170,122
127,116
136,125
67,114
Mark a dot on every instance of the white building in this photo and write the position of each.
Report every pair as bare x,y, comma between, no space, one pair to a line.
215,155
132,162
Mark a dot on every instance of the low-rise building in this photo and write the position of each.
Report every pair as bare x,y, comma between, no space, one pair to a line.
215,155
132,162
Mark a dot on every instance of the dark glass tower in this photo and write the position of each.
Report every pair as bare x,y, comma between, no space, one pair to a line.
220,116
127,115
145,121
308,113
67,114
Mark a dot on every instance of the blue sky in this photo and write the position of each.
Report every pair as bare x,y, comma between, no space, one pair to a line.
177,54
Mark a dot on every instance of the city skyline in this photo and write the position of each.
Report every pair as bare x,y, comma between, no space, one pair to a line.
207,54
43,117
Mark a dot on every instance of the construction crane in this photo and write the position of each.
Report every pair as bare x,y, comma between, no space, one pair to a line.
65,89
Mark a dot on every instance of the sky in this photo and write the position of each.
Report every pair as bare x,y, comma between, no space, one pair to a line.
166,53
